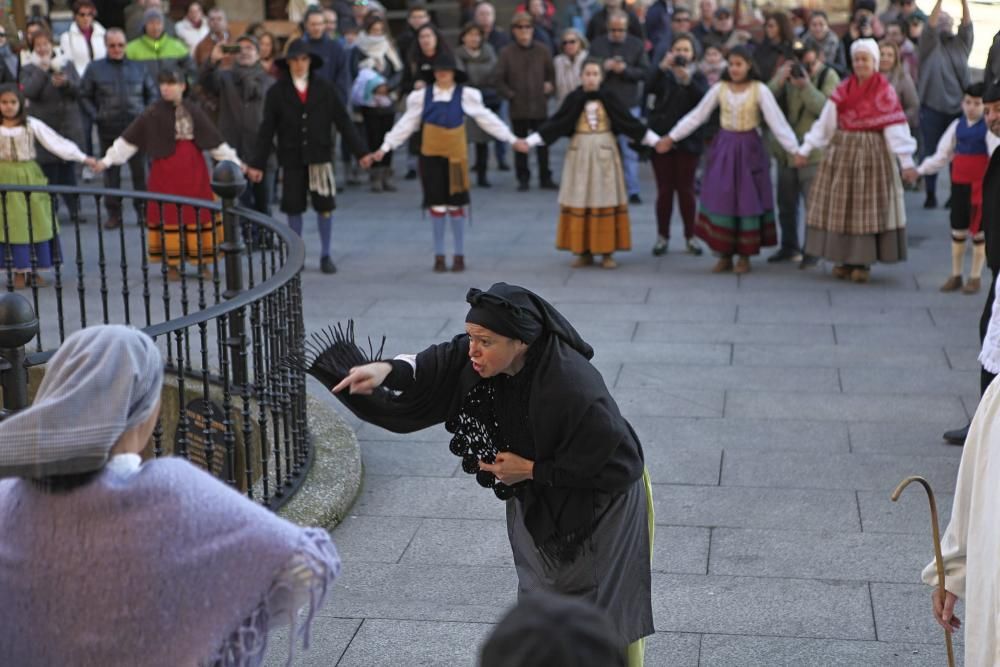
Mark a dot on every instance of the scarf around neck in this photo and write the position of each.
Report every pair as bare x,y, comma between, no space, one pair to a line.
870,106
379,49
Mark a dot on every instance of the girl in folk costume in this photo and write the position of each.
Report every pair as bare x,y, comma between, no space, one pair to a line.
29,234
438,111
593,201
173,132
737,203
967,144
855,214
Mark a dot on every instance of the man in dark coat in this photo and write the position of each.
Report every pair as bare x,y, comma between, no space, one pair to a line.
114,91
240,90
301,109
526,76
991,230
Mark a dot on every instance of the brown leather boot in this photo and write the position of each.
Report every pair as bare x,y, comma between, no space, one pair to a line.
458,264
724,264
973,286
841,272
742,265
439,265
953,284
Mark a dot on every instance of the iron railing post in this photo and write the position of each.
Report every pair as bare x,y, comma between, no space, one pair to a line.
228,184
18,325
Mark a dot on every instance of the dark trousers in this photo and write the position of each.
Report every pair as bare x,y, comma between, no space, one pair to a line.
932,126
63,173
523,128
113,178
985,377
377,124
482,159
793,186
674,172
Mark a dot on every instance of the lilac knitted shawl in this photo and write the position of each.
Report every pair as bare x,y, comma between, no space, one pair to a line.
164,565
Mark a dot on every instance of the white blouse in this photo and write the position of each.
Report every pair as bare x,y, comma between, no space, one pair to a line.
122,151
897,137
53,142
769,108
946,150
472,106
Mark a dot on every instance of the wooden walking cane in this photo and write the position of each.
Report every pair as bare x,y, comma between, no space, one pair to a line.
938,558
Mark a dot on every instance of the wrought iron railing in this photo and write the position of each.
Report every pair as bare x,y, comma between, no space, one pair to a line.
221,295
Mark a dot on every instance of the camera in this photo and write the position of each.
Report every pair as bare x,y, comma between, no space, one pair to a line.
680,61
231,48
798,70
864,22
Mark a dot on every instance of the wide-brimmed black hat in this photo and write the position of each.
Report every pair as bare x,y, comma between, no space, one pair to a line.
299,48
443,61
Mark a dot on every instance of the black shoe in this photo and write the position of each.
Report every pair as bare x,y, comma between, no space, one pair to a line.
956,436
930,202
326,265
522,187
549,185
785,255
808,262
503,166
411,175
635,200
483,183
660,248
947,204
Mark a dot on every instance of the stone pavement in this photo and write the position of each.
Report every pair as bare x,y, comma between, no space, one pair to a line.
778,410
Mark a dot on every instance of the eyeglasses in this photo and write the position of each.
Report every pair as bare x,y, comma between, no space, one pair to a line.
3,35
116,45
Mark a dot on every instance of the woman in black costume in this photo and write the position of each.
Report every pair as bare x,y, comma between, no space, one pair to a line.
534,421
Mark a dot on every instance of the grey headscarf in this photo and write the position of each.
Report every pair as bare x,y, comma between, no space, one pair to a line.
100,383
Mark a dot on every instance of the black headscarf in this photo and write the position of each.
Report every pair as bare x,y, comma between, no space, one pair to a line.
521,314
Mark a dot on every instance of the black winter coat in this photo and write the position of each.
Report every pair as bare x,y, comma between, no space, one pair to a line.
673,101
303,130
115,92
55,106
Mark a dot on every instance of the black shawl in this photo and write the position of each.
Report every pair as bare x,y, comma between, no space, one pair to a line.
563,122
991,212
580,443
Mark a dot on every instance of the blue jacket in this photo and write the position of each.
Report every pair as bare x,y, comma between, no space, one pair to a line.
115,92
336,68
658,30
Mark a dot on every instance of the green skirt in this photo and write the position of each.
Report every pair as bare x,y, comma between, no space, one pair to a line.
14,213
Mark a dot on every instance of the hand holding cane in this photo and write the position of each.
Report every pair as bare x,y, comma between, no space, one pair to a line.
938,559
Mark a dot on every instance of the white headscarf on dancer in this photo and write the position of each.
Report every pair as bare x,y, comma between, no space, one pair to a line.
869,46
101,382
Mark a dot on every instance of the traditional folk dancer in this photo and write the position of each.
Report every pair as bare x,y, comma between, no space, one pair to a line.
173,132
967,144
737,201
157,563
991,231
533,420
28,238
593,201
438,111
855,214
971,542
301,109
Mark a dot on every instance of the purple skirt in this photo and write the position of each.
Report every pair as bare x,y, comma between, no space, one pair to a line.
737,180
46,253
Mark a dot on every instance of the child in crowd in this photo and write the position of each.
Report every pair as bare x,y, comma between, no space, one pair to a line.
737,200
370,96
968,145
712,64
29,236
